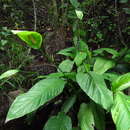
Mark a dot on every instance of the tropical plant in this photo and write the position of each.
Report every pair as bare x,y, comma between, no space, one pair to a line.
82,71
91,74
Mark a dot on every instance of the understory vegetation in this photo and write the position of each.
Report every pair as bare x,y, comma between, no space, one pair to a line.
65,65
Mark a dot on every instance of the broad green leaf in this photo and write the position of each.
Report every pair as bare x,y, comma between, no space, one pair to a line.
85,117
121,83
68,52
80,57
99,116
68,104
102,65
8,73
94,86
121,111
66,66
38,95
75,3
108,50
79,14
33,39
59,122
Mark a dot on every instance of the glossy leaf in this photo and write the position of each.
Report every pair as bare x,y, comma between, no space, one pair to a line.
80,57
38,95
85,117
59,122
33,39
8,73
79,14
94,86
121,83
66,66
121,111
102,65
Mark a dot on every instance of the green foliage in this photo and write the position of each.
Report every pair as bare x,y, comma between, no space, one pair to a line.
66,66
8,74
92,83
121,111
85,117
90,71
80,56
121,83
59,122
38,95
33,39
94,86
102,65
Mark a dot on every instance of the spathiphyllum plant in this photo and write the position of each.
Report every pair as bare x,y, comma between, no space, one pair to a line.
82,72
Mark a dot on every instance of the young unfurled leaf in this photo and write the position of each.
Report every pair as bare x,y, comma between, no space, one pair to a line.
8,73
79,14
37,96
121,111
85,117
94,86
66,66
102,65
33,39
59,122
121,83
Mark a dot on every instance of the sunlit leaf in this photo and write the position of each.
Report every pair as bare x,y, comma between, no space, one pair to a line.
79,14
33,39
8,73
121,83
121,111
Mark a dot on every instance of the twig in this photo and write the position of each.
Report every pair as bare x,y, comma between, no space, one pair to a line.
35,15
119,28
55,9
